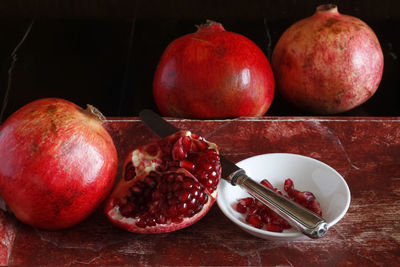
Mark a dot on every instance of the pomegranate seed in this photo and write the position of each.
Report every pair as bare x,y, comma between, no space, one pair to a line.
160,219
288,185
170,178
162,199
247,202
203,198
196,193
264,215
187,184
195,136
135,189
149,181
176,186
172,212
130,172
141,223
267,184
315,207
273,228
188,165
183,208
208,166
239,208
192,202
254,220
258,214
151,150
201,145
127,209
184,196
177,219
181,148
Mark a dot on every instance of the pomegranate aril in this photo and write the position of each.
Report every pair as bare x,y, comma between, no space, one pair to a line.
127,209
273,228
285,225
172,211
208,166
166,198
160,219
265,218
203,198
181,148
151,150
315,207
305,198
177,219
239,208
184,196
135,189
192,202
288,185
247,202
141,223
130,172
255,210
195,136
183,208
267,184
254,220
195,193
201,145
176,186
188,165
149,181
252,210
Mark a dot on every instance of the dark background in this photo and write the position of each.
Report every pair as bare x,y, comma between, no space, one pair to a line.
105,52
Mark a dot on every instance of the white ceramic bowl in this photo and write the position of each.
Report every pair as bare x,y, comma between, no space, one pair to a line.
308,174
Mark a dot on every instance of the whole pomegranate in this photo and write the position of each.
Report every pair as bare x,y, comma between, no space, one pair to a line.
57,163
328,63
166,185
213,73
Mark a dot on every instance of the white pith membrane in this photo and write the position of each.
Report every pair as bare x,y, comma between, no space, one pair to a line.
144,164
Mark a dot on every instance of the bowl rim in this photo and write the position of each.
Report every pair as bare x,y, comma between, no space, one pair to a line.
295,234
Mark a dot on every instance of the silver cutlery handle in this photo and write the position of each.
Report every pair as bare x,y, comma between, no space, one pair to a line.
296,215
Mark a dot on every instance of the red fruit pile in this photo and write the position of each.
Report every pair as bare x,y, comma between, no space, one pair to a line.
258,215
167,185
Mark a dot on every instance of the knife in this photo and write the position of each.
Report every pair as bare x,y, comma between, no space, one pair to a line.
296,215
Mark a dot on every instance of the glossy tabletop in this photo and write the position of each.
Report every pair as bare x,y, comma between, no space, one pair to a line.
365,151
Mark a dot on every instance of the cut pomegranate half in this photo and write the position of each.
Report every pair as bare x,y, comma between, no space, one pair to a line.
166,185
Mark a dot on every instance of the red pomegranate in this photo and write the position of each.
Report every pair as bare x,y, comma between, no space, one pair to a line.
166,185
328,63
213,73
57,163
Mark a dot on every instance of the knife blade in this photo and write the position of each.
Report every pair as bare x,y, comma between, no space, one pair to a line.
299,217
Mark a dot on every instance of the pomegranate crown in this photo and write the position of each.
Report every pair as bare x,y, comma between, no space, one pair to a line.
210,25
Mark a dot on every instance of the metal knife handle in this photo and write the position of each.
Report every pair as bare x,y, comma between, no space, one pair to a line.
296,215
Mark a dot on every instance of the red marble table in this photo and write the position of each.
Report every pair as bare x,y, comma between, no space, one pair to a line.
366,151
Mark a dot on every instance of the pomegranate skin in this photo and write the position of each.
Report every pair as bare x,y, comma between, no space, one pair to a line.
328,63
57,163
213,73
